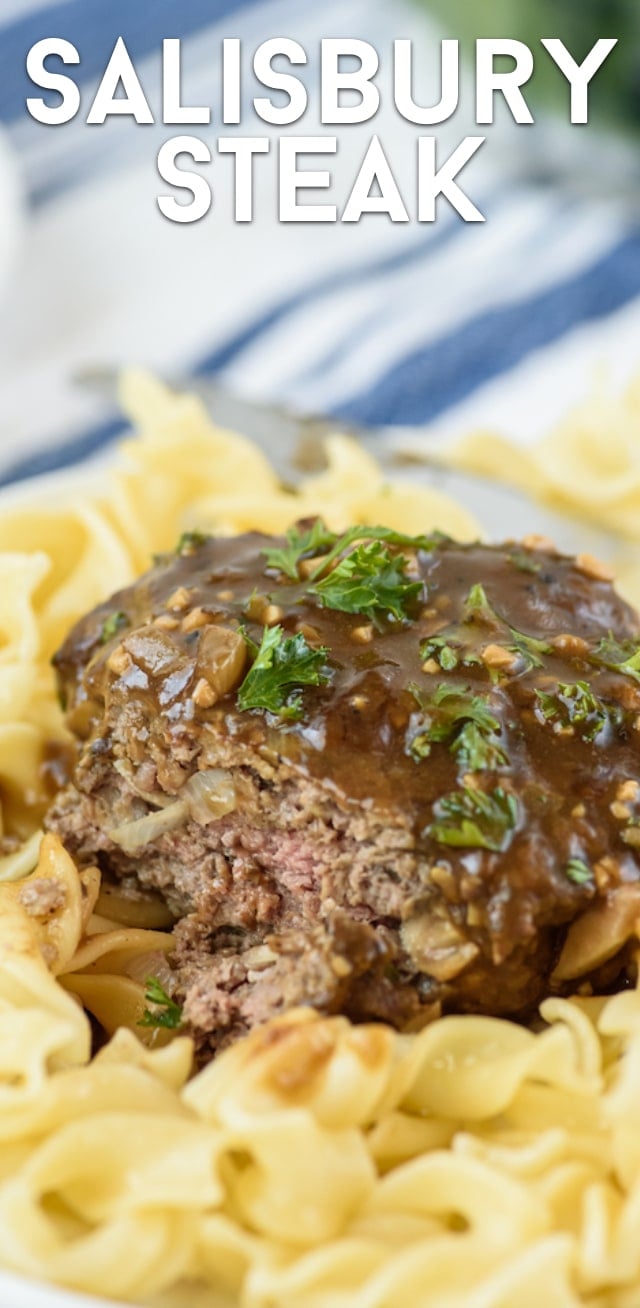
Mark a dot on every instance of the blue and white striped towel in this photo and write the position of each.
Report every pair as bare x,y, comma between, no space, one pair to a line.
381,323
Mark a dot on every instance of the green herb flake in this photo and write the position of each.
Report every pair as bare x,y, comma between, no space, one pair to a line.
448,651
477,750
465,720
475,819
282,665
112,625
523,561
385,534
371,581
305,543
528,648
190,541
439,648
618,656
448,659
578,871
575,704
165,1012
477,606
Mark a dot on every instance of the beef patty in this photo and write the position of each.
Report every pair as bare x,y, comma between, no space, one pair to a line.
375,775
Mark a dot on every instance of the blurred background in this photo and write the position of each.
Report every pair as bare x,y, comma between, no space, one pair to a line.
441,326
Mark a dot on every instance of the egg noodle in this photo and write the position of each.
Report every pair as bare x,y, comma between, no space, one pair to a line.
315,1164
588,465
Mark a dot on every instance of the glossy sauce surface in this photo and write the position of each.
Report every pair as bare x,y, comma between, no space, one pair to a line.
356,732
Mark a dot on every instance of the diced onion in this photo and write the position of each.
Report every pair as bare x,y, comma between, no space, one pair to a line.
259,957
152,963
205,797
599,933
133,836
209,795
436,946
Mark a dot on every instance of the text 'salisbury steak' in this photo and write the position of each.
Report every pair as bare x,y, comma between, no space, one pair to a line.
372,774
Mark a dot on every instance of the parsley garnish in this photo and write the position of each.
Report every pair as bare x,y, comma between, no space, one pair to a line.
465,720
190,541
386,534
529,648
372,581
443,653
523,561
619,656
477,606
477,748
574,704
447,652
111,625
308,542
166,1012
578,871
474,819
282,664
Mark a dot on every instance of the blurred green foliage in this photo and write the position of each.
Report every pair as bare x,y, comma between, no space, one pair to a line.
615,93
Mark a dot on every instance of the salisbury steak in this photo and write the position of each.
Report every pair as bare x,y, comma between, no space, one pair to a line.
372,774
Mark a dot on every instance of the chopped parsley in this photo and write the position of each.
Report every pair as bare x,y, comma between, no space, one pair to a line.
477,606
112,625
578,871
443,653
464,720
372,581
618,656
523,561
282,665
475,819
190,541
165,1011
574,704
306,543
386,534
477,749
447,652
528,648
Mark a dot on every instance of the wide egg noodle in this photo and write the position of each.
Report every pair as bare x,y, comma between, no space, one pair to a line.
588,465
176,459
79,556
352,489
259,1175
21,737
476,1164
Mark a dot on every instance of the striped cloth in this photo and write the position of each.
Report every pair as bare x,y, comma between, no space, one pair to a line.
448,324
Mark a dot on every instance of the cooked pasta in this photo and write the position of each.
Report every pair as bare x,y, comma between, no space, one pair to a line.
314,1164
588,465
